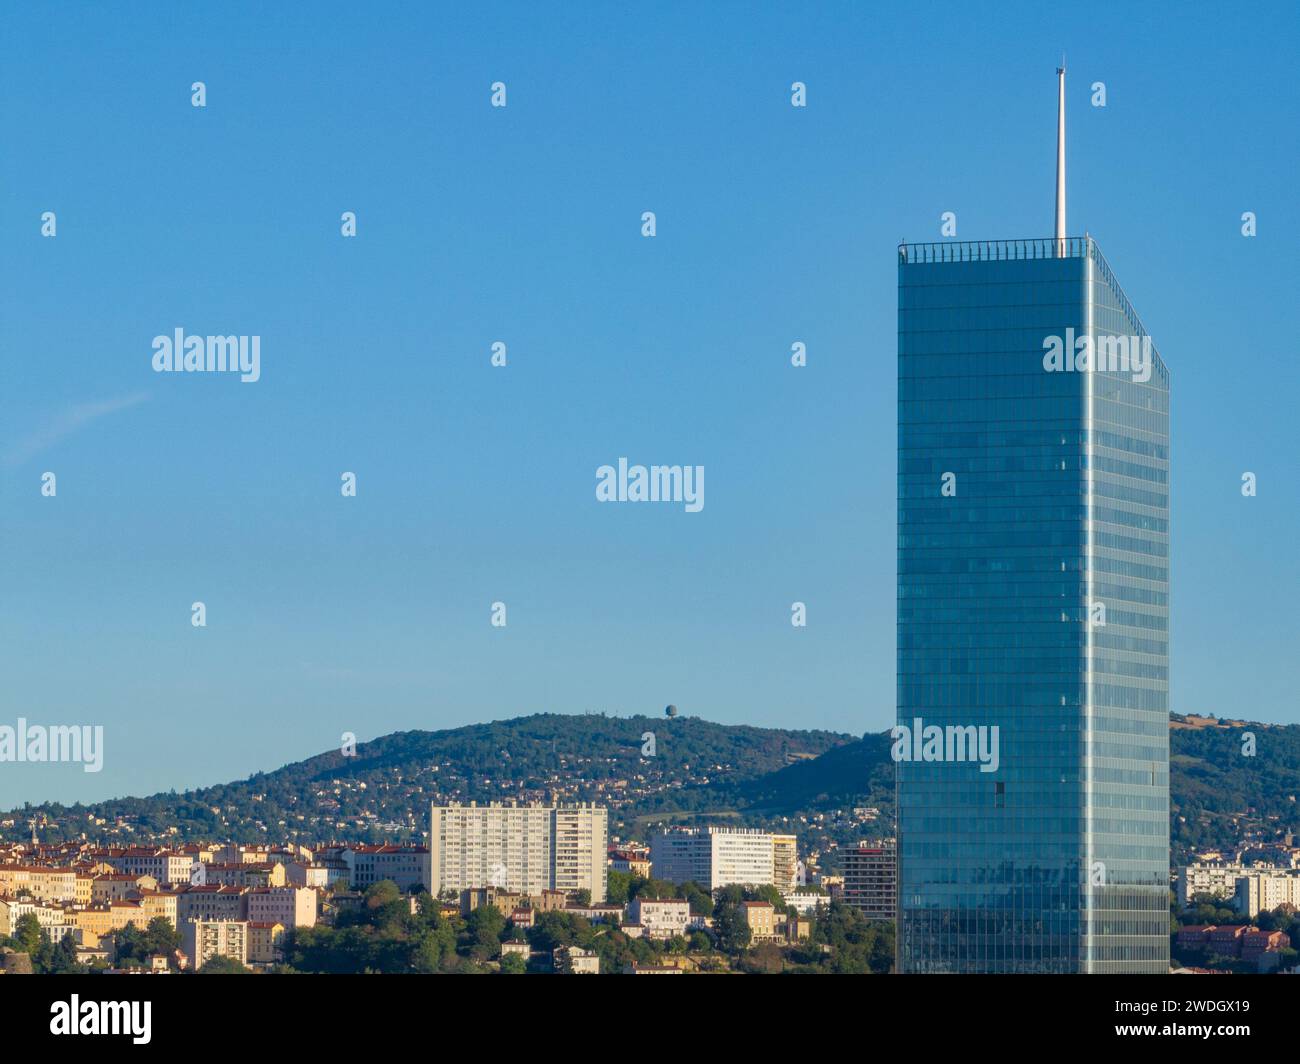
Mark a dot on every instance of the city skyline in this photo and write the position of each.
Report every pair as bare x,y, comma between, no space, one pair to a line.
776,227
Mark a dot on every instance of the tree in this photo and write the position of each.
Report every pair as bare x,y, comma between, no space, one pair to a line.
701,900
161,937
617,885
729,922
513,964
485,927
63,958
27,934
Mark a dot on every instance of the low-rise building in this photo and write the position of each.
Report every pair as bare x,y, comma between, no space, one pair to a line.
1194,936
118,885
265,942
42,884
807,902
570,960
1254,942
761,918
660,917
630,862
12,910
407,866
1226,939
210,903
290,906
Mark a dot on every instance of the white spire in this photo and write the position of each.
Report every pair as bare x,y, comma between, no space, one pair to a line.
1060,159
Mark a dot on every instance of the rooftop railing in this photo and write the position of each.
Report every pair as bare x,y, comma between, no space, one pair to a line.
1070,247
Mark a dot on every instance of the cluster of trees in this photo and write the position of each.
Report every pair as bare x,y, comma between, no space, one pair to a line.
134,947
623,887
47,958
383,935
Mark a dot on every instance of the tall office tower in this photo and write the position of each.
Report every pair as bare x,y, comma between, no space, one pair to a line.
871,879
525,848
1033,598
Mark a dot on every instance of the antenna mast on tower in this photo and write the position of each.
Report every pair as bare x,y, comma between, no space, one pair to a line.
1060,159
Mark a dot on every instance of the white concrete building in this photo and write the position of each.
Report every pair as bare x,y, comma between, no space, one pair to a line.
524,848
717,857
661,918
204,939
1263,891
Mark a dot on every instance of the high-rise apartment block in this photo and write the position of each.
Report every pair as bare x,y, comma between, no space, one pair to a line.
526,848
871,879
717,857
204,939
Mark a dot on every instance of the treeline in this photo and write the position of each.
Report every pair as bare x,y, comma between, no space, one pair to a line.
383,935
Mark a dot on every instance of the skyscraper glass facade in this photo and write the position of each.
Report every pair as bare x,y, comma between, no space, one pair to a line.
1033,598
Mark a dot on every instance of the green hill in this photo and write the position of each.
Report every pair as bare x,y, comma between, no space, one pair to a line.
828,787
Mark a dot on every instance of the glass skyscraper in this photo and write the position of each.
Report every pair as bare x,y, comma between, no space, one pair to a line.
1033,597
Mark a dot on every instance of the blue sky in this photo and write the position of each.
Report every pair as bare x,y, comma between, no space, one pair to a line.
522,224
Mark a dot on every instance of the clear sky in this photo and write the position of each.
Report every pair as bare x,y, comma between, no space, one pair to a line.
522,224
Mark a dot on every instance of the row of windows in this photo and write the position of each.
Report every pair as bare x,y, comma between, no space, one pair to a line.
938,620
1021,386
1065,292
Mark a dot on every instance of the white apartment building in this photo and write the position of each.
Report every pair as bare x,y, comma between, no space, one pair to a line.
524,848
1213,877
1220,878
204,939
717,857
168,867
12,910
660,918
1263,891
807,902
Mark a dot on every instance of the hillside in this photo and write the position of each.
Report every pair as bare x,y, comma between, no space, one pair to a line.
384,791
828,787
